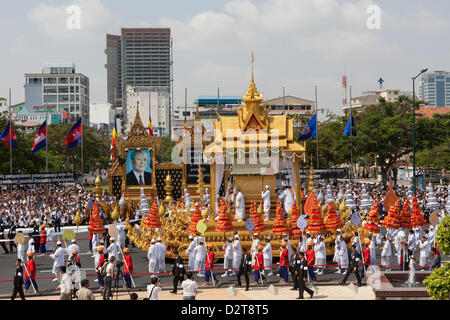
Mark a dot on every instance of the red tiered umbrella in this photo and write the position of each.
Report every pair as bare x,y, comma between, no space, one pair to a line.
152,219
392,220
417,218
196,216
224,223
315,221
279,224
257,218
333,222
295,231
405,215
96,222
373,219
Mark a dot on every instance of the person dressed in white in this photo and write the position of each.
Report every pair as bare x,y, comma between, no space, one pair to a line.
154,288
200,255
424,252
206,197
372,247
30,244
50,246
285,237
379,238
336,250
411,241
301,244
343,254
357,242
237,253
122,236
191,253
58,257
113,250
73,246
152,255
189,287
228,257
254,249
288,199
321,254
267,256
386,254
265,195
240,206
161,255
21,251
65,286
95,241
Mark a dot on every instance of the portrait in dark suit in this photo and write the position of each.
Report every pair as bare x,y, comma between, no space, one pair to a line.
138,168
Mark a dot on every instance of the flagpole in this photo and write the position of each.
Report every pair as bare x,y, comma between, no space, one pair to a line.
82,139
46,138
284,103
317,131
351,136
10,133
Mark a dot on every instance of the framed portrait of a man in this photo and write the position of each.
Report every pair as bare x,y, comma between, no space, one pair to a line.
139,167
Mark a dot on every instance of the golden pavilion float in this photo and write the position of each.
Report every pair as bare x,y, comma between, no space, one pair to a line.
164,212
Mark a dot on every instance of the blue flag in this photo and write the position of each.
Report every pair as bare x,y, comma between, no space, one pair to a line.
310,131
9,135
350,127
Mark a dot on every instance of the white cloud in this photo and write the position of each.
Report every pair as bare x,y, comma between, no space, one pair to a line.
429,23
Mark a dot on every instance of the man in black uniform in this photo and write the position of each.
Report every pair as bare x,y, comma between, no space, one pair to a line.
11,235
36,236
18,281
405,256
178,271
295,257
244,268
2,237
355,258
301,274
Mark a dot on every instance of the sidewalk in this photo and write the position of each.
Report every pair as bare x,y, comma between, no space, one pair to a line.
347,292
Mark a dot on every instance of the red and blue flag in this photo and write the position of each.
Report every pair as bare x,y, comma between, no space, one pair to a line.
40,139
74,135
9,135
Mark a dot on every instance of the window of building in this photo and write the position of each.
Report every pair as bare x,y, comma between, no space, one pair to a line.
50,98
308,107
63,98
72,80
63,89
49,80
49,89
63,80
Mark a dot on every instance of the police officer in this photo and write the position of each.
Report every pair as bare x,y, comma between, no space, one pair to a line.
36,236
292,266
18,281
355,258
244,268
301,274
178,271
2,237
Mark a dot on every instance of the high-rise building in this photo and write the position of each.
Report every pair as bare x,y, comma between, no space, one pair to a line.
59,91
152,101
139,57
434,88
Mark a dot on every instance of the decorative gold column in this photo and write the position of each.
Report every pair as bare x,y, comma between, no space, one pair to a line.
154,189
297,187
212,206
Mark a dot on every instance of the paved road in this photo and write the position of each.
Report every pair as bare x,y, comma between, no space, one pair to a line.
44,266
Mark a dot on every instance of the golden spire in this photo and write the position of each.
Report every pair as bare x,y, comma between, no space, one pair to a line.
252,59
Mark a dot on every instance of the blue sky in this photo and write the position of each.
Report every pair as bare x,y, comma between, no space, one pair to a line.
297,43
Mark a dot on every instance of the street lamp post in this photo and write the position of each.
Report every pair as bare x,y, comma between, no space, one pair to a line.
414,129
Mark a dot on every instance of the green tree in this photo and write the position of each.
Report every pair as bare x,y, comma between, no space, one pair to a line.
438,282
165,149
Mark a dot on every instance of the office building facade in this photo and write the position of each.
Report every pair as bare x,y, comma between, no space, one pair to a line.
434,88
59,91
139,57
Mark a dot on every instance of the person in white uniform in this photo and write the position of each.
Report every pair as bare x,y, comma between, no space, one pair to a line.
288,199
321,254
265,195
343,254
254,249
30,243
228,257
191,253
267,256
58,258
113,250
424,251
122,236
73,246
152,256
240,206
237,253
357,242
200,255
50,246
187,199
386,254
372,247
161,255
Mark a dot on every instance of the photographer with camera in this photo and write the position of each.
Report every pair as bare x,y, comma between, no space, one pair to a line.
154,288
110,273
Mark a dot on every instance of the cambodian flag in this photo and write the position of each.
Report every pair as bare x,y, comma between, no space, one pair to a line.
40,139
74,135
8,134
150,127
